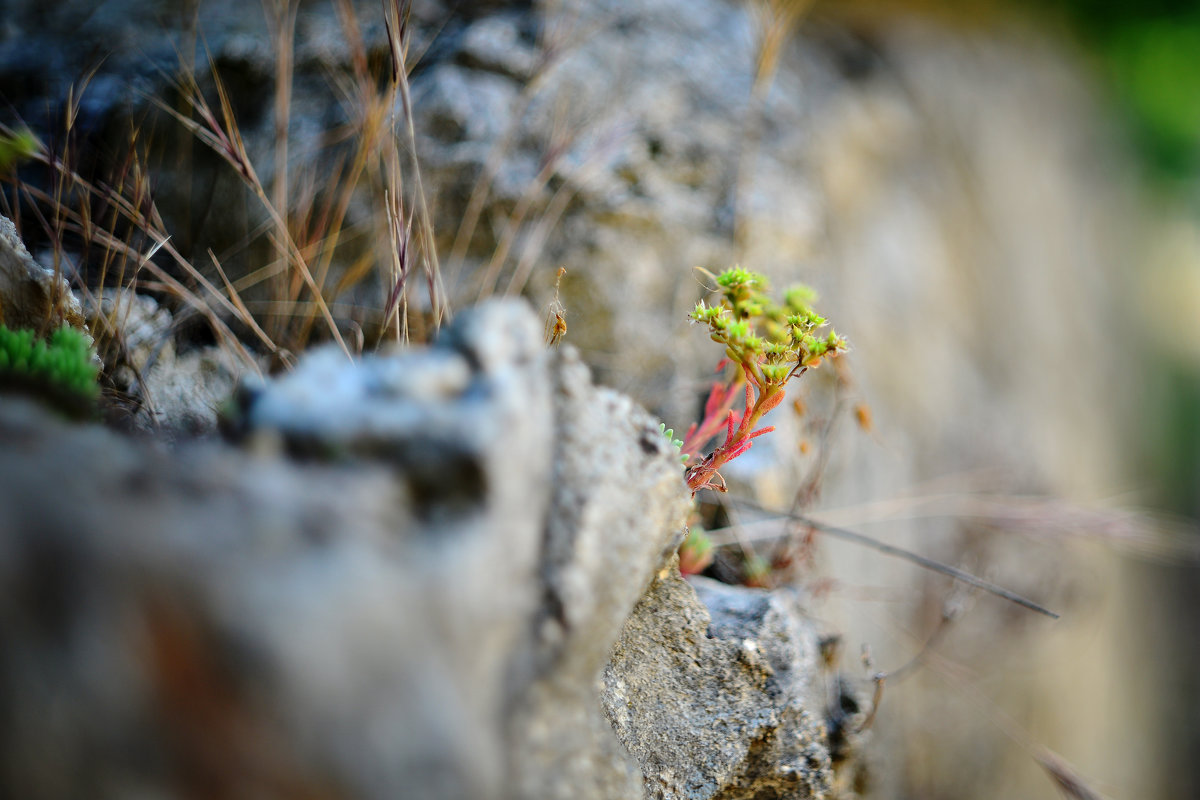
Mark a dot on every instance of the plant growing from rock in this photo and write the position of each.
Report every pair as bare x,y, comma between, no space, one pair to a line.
62,369
767,343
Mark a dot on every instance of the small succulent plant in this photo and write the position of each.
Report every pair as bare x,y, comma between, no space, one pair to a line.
769,343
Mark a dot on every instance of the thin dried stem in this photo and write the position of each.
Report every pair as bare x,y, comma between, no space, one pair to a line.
396,19
281,16
899,552
225,140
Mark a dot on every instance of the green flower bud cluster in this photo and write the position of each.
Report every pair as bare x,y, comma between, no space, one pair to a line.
772,341
65,361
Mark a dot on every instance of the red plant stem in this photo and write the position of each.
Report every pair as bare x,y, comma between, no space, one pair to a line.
737,441
716,411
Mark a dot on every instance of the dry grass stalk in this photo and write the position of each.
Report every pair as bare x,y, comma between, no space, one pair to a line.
281,16
225,139
307,216
777,21
127,203
1069,782
396,20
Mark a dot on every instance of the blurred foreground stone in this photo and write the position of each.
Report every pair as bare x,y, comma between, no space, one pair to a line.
408,583
31,295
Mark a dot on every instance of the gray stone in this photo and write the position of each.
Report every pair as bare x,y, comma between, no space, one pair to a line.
497,44
183,393
31,295
455,105
714,700
134,327
426,604
592,578
175,396
254,623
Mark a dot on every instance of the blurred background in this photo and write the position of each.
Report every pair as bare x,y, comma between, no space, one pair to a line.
997,200
1113,687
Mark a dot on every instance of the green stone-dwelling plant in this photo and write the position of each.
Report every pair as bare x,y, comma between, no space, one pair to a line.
767,343
61,367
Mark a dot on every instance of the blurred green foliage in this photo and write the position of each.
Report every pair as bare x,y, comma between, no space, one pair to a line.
1150,52
16,147
1177,453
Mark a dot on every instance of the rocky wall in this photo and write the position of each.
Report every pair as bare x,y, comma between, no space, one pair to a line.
443,573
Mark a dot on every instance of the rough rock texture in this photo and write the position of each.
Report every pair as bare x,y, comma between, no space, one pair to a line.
32,296
563,743
424,606
741,672
172,395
